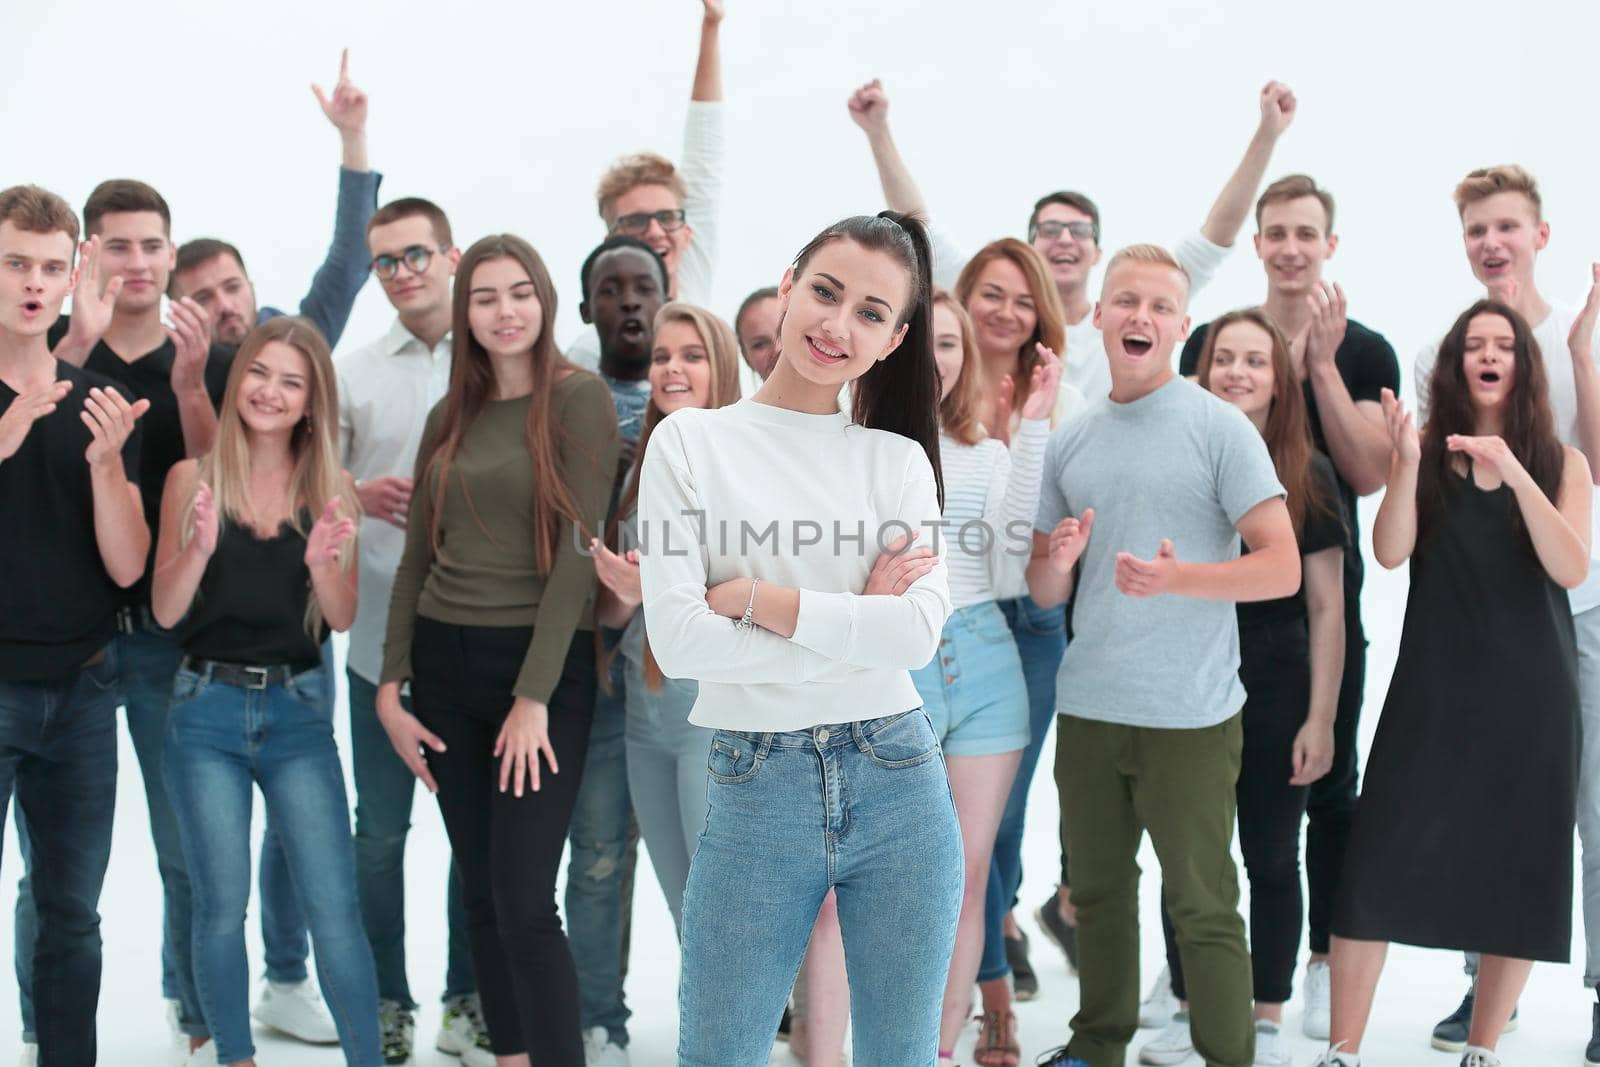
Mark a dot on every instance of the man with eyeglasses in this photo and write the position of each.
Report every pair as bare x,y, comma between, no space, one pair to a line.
673,209
386,389
211,272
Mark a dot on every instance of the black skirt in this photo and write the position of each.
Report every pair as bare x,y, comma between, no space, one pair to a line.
1463,837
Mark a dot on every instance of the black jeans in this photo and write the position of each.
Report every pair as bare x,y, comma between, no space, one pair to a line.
1332,807
1275,667
58,749
508,848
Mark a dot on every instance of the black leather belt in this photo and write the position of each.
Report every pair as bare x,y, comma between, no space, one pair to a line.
237,674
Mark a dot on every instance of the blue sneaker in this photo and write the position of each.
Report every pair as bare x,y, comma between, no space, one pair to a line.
1060,1057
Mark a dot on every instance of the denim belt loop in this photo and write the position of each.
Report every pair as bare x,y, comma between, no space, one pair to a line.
764,745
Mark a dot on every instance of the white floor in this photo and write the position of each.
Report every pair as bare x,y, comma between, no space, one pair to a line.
1418,988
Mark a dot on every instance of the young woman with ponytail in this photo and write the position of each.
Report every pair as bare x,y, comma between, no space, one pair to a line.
777,570
491,622
256,563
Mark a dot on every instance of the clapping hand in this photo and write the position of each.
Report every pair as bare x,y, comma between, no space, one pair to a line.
1403,437
1147,577
110,419
328,536
24,411
1068,540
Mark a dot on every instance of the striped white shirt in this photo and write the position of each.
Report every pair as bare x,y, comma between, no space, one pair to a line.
991,499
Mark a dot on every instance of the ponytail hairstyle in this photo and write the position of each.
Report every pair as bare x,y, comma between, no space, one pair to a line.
1529,429
901,393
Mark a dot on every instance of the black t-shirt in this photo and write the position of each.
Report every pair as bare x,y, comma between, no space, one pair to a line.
250,607
150,378
1324,528
57,603
1367,363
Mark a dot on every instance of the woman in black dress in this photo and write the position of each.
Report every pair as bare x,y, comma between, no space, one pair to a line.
1476,753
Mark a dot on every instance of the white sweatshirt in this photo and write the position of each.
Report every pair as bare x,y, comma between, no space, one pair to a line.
804,501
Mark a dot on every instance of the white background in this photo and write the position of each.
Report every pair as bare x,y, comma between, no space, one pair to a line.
507,114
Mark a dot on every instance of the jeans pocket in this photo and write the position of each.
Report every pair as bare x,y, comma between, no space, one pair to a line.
903,740
1030,618
186,685
311,689
102,677
734,758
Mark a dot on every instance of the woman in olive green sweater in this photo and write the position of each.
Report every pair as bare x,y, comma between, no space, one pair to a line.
491,622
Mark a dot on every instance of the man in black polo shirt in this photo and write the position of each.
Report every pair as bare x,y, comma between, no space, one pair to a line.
1344,367
174,367
72,538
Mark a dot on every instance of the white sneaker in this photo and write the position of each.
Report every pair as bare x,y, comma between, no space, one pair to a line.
1479,1057
1269,1051
1334,1058
178,1055
296,1010
1318,1009
600,1051
462,1032
1159,1004
30,1055
1172,1045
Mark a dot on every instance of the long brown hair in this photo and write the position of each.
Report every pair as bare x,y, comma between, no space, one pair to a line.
961,412
472,383
317,477
1288,430
1528,430
1051,329
722,350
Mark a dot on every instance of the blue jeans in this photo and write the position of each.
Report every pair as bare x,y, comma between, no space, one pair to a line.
598,863
667,777
220,741
1041,636
863,809
58,750
384,791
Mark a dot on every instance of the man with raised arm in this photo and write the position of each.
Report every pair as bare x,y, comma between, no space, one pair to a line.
1344,369
211,271
1065,226
673,209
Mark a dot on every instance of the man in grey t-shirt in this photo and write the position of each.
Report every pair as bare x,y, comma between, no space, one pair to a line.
1148,495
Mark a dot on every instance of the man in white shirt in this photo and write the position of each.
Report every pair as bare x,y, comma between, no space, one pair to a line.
673,209
386,389
1504,230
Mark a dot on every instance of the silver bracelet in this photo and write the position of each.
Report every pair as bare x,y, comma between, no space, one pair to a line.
748,623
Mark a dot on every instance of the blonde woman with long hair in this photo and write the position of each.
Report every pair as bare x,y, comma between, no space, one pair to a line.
255,565
694,363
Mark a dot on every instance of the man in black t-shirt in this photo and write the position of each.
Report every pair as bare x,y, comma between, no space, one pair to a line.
1344,367
72,538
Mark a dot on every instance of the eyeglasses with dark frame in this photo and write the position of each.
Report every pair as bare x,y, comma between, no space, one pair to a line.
639,221
415,257
1050,229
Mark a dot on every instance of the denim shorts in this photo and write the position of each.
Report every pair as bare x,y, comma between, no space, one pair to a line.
973,689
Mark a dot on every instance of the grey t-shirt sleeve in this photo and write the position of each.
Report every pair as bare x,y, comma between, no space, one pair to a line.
1052,496
1244,471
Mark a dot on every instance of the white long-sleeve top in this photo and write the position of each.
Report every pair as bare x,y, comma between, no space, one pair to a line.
804,501
991,500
